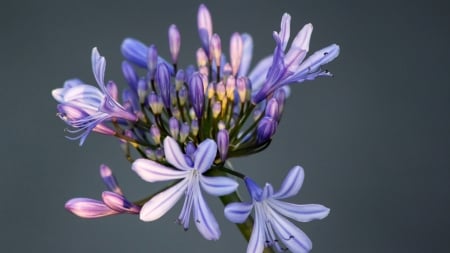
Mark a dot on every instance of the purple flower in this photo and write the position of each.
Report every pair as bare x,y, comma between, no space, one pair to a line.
190,173
97,105
281,69
270,228
113,200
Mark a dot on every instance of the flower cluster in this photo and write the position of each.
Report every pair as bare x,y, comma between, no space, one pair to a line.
185,123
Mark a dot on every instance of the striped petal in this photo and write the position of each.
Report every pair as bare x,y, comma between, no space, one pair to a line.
302,213
98,66
204,155
119,203
174,155
257,239
151,171
204,219
162,202
218,186
291,184
88,208
238,212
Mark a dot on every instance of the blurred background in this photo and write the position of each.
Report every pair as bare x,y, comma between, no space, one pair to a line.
374,140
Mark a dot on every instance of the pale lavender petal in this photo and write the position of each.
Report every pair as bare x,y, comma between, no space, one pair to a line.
319,58
290,235
218,186
204,219
258,75
151,171
162,202
299,47
98,66
204,155
257,239
119,203
291,183
174,155
285,30
235,52
302,213
88,208
247,53
238,212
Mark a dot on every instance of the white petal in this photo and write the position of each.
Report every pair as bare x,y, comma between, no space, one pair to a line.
174,155
98,66
151,171
257,239
204,219
302,213
247,53
290,235
238,212
291,184
204,155
162,202
218,186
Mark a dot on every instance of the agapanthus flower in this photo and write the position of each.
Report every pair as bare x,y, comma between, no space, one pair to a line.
113,201
189,171
270,228
85,108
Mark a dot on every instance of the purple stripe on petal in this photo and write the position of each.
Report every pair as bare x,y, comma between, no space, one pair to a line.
174,155
204,219
151,171
109,179
119,203
302,213
291,183
238,212
205,155
218,186
88,208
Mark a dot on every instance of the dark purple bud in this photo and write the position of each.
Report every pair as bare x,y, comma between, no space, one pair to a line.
174,127
174,42
223,142
152,60
119,203
197,94
163,81
204,23
179,80
109,179
190,149
130,75
266,129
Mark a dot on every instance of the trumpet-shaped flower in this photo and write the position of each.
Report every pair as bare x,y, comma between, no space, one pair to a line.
270,228
189,172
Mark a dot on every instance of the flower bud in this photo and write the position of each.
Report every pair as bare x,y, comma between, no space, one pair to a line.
155,133
152,60
202,58
184,132
215,51
119,203
163,81
223,141
88,208
235,52
174,127
182,96
266,129
231,87
204,23
142,90
272,109
216,109
109,179
197,94
194,127
179,80
174,42
130,75
155,103
241,85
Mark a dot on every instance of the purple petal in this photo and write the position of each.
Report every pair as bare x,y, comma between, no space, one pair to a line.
302,213
98,66
238,212
253,189
119,203
174,42
174,155
235,52
316,60
291,183
204,155
152,171
258,75
162,202
218,186
285,30
204,219
247,53
204,23
257,239
88,208
290,235
299,47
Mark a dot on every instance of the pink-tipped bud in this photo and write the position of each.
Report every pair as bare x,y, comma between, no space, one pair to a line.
88,208
204,23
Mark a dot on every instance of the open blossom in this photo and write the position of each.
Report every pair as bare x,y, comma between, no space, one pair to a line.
113,201
85,107
270,228
189,172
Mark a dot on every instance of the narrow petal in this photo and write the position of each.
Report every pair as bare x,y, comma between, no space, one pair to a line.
238,212
151,171
247,53
319,58
204,219
299,47
98,66
257,239
290,235
174,155
162,202
88,208
291,183
302,213
218,186
204,155
285,30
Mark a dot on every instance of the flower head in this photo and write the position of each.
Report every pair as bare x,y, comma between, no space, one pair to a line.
189,173
270,228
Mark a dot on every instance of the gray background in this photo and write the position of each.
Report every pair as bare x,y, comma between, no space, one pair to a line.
374,140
